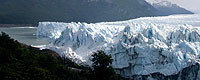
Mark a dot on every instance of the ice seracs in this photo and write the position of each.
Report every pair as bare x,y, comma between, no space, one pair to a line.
138,47
52,30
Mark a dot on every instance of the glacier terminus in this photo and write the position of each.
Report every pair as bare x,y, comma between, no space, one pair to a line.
142,46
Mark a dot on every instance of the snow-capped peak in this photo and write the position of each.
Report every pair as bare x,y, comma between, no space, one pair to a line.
160,2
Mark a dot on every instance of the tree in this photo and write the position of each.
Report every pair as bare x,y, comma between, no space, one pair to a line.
101,67
22,62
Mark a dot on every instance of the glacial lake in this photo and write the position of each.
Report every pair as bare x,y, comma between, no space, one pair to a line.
25,35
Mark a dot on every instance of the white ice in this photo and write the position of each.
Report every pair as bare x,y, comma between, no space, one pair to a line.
139,46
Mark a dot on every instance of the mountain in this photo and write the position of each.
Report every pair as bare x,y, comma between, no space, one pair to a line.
168,8
155,47
34,11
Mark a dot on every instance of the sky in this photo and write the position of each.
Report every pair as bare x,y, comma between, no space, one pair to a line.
192,5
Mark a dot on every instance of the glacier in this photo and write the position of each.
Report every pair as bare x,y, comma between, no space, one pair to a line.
142,46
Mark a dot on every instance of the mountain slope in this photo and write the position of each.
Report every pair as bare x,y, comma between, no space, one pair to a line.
168,8
34,11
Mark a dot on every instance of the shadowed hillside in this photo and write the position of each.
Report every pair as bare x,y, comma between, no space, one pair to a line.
34,11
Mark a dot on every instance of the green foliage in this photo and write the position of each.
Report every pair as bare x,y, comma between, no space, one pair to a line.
19,62
102,69
100,59
22,62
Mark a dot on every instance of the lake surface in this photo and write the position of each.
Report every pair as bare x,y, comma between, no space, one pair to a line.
25,35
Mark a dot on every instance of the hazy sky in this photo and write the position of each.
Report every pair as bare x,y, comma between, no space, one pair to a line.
193,5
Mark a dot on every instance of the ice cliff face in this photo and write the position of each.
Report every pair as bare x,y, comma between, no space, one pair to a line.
189,73
52,30
139,47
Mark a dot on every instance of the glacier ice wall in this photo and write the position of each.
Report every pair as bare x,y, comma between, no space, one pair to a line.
139,46
51,30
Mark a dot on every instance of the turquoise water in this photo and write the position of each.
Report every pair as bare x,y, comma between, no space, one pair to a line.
25,35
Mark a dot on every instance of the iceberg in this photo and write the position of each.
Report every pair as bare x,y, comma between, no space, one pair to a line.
139,47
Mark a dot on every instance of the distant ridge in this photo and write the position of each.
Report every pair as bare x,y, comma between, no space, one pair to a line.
34,11
168,8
